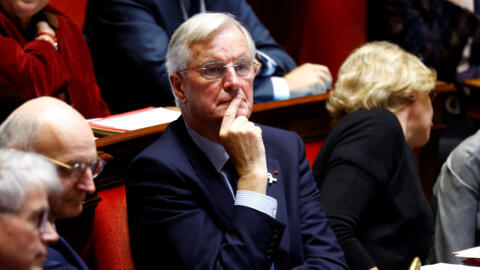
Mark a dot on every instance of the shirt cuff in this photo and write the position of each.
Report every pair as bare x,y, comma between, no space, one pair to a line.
280,88
257,201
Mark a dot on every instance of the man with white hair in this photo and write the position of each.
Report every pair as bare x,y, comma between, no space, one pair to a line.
217,191
25,181
54,129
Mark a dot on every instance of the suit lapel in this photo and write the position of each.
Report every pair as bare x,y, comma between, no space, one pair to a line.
210,182
276,189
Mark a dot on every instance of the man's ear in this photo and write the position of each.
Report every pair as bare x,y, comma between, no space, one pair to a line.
178,86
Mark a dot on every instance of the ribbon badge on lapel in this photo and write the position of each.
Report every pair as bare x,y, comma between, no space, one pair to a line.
271,179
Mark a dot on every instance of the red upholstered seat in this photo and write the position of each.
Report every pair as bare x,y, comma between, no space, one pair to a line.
110,244
312,150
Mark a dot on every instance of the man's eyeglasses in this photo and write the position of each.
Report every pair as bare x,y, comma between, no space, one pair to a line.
216,71
76,170
42,221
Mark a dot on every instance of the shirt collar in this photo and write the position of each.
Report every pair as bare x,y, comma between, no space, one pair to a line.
214,151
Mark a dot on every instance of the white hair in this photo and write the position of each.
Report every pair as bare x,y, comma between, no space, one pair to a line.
197,29
22,172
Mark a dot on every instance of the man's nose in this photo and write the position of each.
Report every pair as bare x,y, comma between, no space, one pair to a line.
86,183
49,234
231,81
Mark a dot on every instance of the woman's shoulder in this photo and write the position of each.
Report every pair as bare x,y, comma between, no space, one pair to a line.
377,121
378,116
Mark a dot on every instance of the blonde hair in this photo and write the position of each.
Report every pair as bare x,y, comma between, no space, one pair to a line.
379,74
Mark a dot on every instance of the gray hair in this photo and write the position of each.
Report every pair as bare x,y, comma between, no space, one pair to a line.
22,172
19,131
197,29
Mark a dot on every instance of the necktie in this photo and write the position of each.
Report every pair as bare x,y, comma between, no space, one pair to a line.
231,173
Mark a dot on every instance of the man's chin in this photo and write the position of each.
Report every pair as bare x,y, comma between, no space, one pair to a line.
38,265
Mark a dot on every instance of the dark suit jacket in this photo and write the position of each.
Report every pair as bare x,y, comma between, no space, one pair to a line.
129,41
434,30
182,215
60,256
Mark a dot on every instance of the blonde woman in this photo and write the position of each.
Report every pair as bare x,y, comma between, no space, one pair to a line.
366,171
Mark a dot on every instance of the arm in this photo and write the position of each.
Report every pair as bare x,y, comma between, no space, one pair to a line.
321,248
130,37
33,70
457,192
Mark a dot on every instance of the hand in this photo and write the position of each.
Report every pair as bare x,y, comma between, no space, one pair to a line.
308,79
244,144
46,32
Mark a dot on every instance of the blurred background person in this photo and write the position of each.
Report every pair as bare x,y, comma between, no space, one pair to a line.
54,129
44,54
129,41
457,193
366,170
25,181
443,33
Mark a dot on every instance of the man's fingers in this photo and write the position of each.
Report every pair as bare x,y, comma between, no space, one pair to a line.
231,112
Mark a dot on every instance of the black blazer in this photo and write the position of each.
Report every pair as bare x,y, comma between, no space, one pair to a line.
370,188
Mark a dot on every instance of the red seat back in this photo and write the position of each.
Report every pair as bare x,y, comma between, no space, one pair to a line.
110,238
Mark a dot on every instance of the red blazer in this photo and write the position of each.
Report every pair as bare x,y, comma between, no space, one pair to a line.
34,68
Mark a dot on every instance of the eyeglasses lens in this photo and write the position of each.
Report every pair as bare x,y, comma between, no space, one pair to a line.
215,71
78,169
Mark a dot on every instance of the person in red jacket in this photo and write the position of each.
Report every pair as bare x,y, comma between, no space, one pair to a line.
44,54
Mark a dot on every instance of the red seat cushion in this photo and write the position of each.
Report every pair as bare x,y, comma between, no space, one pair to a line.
110,238
312,150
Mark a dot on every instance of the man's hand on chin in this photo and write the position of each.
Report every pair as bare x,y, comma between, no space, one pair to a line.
244,144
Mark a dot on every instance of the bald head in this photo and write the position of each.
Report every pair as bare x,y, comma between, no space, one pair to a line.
43,115
54,129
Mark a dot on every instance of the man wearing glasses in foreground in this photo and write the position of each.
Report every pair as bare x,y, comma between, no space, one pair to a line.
55,130
25,181
188,208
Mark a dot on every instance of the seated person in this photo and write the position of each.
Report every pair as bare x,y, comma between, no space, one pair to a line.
129,41
443,33
457,192
25,181
366,170
217,191
44,54
57,131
